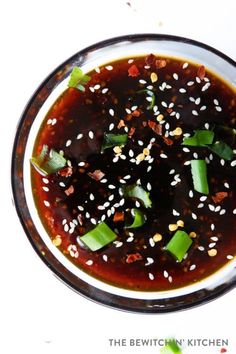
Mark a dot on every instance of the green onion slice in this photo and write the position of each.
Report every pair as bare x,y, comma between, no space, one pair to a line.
200,138
136,191
99,237
171,348
139,219
222,149
199,174
111,140
152,95
78,79
179,245
47,163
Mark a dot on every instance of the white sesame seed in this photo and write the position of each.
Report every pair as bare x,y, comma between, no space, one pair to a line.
111,126
211,157
194,216
203,108
201,248
222,162
197,101
192,267
187,163
64,221
140,142
108,213
173,183
104,180
233,163
106,204
217,209
91,134
207,126
149,168
91,89
172,172
131,153
137,204
141,81
89,262
164,104
130,61
194,112
79,136
226,184
80,207
81,163
91,196
186,149
149,187
149,261
93,221
214,238
165,274
190,194
182,90
190,83
175,212
87,215
133,108
212,244
222,212
105,90
68,143
109,67
203,198
66,228
127,177
118,244
218,108
201,205
167,126
198,80
46,203
185,65
49,121
122,202
230,256
111,112
195,155
216,102
151,276
234,211
206,87
163,156
104,257
211,207
175,76
170,279
212,227
128,110
151,242
46,189
45,180
103,217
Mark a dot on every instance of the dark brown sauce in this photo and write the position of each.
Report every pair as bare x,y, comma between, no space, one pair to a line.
80,113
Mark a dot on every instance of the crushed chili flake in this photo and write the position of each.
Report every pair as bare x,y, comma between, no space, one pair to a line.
131,132
201,72
69,190
118,216
66,172
169,110
121,124
97,175
167,141
149,60
157,128
133,257
160,63
218,197
223,350
133,71
136,113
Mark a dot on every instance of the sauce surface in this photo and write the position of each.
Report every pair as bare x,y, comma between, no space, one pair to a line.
117,100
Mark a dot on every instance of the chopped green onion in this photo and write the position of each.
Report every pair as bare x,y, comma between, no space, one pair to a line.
48,163
226,133
99,237
199,174
152,95
139,219
171,348
136,191
179,245
222,149
111,140
78,79
200,138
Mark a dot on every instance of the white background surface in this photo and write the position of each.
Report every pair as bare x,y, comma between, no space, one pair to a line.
38,314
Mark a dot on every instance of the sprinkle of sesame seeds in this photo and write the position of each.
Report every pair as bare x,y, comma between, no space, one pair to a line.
194,216
198,80
200,205
222,162
192,267
91,196
217,209
175,76
111,126
203,108
89,262
137,204
104,180
149,168
140,142
151,242
212,244
226,184
194,112
177,115
175,212
105,258
105,90
68,143
222,212
234,211
212,252
66,228
212,227
187,163
203,198
185,65
45,180
190,194
211,207
218,108
163,156
164,104
131,153
122,202
172,171
111,112
230,256
201,248
87,215
46,203
91,134
81,163
143,82
190,83
170,279
182,90
46,189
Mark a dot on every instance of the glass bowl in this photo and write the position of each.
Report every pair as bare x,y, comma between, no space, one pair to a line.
35,111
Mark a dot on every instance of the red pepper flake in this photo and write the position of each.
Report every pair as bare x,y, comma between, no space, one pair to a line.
160,63
133,71
136,113
218,197
118,216
131,132
223,350
121,124
157,128
169,110
69,190
133,257
66,171
201,72
97,175
149,60
167,141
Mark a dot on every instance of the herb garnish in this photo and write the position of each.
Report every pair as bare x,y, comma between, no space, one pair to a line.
111,140
47,163
199,174
179,245
137,192
78,79
139,219
99,237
